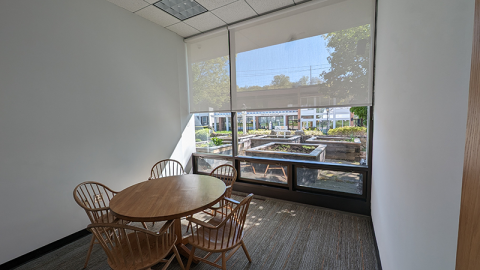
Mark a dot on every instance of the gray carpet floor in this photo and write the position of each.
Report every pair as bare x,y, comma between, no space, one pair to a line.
279,235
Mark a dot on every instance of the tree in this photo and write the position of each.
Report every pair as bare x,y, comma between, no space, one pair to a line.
281,81
349,61
211,83
361,112
302,81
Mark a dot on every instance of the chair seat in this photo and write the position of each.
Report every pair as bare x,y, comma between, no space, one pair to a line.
211,239
216,206
144,257
110,218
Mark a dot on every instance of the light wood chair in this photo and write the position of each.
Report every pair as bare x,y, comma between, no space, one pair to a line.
166,167
275,167
221,234
129,247
228,174
248,165
95,198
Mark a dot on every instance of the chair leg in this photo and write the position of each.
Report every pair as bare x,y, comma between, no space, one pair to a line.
179,259
190,259
89,251
246,252
284,174
224,262
265,174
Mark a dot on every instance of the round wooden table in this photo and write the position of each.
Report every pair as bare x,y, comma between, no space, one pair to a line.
168,198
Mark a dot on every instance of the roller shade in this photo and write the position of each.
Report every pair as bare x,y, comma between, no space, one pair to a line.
208,72
316,55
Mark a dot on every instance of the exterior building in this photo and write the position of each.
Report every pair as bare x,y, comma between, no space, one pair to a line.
313,118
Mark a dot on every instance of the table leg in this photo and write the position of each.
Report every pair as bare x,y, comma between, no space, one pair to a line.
180,243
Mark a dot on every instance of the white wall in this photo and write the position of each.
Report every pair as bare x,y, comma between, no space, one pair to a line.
88,92
421,92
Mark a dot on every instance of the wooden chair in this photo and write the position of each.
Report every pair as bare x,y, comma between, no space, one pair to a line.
129,247
275,167
221,234
228,174
94,198
166,167
248,165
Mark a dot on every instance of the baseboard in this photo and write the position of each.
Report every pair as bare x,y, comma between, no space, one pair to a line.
377,253
39,252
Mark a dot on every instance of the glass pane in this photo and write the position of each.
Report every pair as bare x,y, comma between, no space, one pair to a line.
332,135
213,133
206,165
264,172
348,182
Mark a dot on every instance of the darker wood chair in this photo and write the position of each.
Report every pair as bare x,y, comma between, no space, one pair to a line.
223,233
166,167
129,247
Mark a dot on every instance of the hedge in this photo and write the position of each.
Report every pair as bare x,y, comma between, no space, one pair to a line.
355,131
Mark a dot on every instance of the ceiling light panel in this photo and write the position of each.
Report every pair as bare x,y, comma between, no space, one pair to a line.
181,9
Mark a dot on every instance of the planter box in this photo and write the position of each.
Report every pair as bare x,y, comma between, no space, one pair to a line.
224,149
337,149
317,154
264,139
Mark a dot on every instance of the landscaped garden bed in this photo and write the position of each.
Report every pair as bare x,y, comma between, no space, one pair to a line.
296,151
261,140
339,148
224,149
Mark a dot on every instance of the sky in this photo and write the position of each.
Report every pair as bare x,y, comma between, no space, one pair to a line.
294,59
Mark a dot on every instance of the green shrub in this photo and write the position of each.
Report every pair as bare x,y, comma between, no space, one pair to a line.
202,134
350,131
313,132
217,141
259,132
198,140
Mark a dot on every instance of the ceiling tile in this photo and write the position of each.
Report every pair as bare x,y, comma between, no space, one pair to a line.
157,16
234,12
130,5
262,6
183,29
214,4
205,22
154,1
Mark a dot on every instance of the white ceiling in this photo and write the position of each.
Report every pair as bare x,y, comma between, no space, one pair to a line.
220,13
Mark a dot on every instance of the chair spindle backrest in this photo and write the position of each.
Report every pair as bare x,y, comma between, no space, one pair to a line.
226,173
129,247
94,198
166,167
230,230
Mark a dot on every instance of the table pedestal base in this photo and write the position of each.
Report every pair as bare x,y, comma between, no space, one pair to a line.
182,241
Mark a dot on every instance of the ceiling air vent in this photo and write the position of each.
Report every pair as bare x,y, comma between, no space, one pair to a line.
181,9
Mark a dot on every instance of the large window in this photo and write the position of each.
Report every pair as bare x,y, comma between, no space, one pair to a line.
326,136
286,99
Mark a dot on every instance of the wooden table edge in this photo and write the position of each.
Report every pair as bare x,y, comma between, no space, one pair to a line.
171,217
